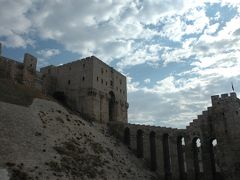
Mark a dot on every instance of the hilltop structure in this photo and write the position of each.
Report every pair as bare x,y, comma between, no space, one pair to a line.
90,87
208,149
24,73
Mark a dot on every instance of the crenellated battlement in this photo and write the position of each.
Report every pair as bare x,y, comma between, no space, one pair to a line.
219,124
216,99
21,72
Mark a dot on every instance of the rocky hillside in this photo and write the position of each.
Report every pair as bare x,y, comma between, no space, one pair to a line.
46,142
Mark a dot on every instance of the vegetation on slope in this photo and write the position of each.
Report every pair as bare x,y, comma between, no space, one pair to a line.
46,142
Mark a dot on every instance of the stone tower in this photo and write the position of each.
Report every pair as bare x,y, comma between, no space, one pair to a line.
29,69
91,87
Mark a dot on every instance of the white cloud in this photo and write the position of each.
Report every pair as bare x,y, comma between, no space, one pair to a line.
139,32
88,27
132,86
211,28
147,81
151,10
14,22
48,53
140,55
217,16
175,101
177,26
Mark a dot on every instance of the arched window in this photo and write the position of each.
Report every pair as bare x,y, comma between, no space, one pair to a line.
197,157
182,157
166,157
127,136
153,151
139,143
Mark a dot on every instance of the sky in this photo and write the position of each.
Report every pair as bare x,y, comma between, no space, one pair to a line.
175,53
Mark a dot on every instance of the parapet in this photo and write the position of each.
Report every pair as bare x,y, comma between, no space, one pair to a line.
216,99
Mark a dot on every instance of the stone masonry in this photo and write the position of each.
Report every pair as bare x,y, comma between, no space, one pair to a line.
208,149
24,73
89,86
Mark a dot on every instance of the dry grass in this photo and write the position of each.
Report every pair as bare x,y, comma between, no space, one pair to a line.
76,160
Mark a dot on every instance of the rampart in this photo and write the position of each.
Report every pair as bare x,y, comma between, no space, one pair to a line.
208,149
24,73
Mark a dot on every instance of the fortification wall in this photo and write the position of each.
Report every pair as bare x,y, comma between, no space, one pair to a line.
20,72
208,149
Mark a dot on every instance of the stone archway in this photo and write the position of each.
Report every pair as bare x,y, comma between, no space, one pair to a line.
182,164
127,139
139,143
197,157
166,157
153,159
213,155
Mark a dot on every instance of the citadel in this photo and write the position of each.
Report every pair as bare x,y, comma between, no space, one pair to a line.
207,149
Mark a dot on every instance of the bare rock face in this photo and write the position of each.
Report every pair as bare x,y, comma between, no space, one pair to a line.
44,141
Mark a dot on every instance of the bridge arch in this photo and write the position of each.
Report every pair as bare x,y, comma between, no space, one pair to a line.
182,163
140,143
213,155
197,157
166,157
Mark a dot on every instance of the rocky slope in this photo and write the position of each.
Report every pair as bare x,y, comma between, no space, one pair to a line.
46,142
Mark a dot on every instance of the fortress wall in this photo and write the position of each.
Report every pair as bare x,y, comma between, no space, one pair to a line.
5,67
194,160
165,167
20,72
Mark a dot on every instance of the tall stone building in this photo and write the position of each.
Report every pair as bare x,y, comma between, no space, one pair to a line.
89,86
20,72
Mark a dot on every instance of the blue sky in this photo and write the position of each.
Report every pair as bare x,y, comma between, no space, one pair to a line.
175,53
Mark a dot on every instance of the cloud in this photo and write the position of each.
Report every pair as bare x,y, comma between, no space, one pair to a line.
88,27
132,86
163,34
213,58
174,101
151,10
15,23
147,81
45,54
48,53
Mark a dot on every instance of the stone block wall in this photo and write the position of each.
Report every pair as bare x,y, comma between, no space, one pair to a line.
91,87
208,149
20,72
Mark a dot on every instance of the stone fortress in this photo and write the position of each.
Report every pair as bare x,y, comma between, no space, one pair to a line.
208,149
90,87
